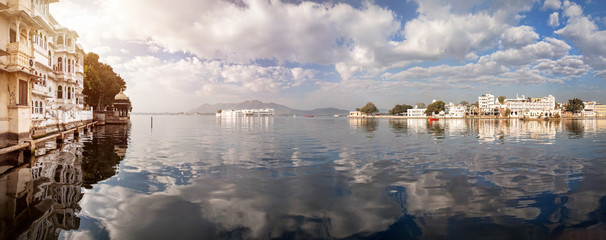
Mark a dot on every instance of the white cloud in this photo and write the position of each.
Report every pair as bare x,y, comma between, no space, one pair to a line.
552,4
585,34
516,37
485,71
568,66
187,82
550,48
554,20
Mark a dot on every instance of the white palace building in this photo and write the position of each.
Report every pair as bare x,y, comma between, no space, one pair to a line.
41,73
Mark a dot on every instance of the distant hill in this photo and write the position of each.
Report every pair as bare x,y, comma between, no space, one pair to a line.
281,110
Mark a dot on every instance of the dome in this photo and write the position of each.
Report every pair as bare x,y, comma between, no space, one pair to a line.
121,96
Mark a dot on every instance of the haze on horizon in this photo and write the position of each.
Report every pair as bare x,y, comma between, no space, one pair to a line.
177,55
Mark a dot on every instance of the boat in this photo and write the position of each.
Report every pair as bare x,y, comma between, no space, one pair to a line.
336,115
433,119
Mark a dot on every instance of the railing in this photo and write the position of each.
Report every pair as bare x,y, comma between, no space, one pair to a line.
42,89
20,46
18,60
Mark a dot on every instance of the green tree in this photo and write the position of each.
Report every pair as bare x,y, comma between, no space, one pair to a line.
369,109
101,83
575,105
435,107
502,99
398,109
420,105
507,112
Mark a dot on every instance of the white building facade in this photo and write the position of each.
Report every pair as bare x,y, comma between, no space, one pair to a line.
590,109
455,111
416,112
487,104
532,107
41,73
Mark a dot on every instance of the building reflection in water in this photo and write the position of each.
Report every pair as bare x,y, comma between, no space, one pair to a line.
39,195
262,124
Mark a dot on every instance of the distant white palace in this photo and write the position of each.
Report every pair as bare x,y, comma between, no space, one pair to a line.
41,73
268,112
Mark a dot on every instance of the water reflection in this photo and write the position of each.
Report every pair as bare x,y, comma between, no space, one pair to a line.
39,196
369,125
324,178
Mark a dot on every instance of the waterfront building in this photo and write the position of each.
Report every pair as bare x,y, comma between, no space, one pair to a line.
487,104
416,112
600,110
532,107
122,105
41,73
356,114
589,109
268,112
455,111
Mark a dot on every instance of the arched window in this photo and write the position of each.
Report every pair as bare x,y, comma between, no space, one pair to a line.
60,92
60,40
69,93
69,65
60,64
13,36
41,111
36,107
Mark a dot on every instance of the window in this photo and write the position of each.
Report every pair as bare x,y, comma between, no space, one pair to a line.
35,107
69,65
60,92
69,93
60,40
13,36
60,64
23,92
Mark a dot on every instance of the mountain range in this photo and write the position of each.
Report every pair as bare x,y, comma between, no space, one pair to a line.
281,110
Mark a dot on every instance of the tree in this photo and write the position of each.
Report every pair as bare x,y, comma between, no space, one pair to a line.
464,103
369,109
421,105
507,112
435,107
101,83
399,109
575,105
502,99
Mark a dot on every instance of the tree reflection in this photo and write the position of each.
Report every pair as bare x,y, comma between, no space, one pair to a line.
398,126
103,153
369,125
575,129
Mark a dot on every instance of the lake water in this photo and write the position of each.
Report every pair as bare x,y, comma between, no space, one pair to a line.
312,178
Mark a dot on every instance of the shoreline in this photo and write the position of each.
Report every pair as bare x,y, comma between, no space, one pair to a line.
498,118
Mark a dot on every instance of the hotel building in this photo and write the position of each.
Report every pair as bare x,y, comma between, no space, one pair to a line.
41,73
532,107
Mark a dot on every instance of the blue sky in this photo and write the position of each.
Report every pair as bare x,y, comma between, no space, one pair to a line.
176,55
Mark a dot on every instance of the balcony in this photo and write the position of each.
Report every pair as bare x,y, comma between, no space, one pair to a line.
21,47
18,61
42,91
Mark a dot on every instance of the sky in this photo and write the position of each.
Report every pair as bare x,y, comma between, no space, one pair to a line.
176,55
